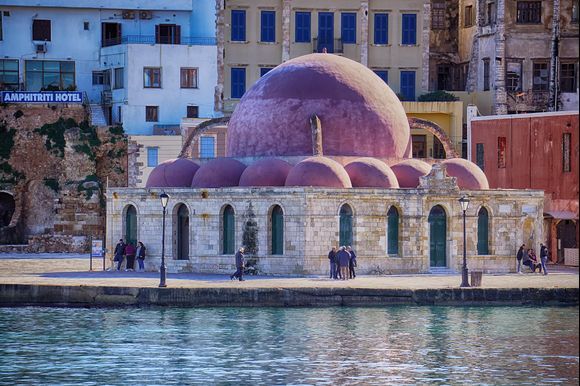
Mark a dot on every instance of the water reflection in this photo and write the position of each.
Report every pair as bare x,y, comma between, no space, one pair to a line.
395,345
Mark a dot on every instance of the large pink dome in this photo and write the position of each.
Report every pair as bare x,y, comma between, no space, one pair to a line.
359,114
469,175
173,173
318,171
409,171
266,172
218,173
371,173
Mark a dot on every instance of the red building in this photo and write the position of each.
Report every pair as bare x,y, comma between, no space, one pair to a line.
534,151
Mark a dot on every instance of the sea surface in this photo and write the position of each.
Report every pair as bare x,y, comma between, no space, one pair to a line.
400,345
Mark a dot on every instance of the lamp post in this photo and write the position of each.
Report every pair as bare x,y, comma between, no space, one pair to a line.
464,201
162,270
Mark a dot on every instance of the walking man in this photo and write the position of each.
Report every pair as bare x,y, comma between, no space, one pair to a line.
519,257
332,260
240,264
119,252
544,257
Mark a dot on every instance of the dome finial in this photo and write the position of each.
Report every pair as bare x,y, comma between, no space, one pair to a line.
316,129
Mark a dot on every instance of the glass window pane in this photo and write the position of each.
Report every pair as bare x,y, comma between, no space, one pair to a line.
51,79
67,66
33,81
33,65
51,66
11,65
68,80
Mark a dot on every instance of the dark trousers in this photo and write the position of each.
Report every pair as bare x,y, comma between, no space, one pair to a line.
130,261
351,272
119,262
332,270
239,273
338,274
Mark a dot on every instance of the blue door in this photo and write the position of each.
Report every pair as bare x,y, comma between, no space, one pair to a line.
325,32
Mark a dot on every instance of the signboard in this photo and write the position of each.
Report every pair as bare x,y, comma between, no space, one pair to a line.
42,97
97,248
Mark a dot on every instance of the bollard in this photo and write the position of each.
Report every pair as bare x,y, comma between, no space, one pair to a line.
476,278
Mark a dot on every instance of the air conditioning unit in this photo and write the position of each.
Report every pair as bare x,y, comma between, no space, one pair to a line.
145,15
40,48
128,15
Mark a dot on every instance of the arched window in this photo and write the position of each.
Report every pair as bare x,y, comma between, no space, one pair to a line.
482,232
131,225
437,237
182,233
228,231
345,230
277,222
393,231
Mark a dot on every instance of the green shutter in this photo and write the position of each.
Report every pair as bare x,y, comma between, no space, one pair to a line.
393,231
482,232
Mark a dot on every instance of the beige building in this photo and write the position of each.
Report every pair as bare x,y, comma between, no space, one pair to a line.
389,37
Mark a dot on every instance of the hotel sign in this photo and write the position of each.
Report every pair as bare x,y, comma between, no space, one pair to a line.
42,97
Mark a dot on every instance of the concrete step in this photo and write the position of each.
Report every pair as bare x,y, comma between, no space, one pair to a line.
441,271
98,115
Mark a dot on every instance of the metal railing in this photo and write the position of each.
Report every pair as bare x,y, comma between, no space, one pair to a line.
152,39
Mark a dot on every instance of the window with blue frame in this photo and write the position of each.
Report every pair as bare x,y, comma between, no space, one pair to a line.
302,27
238,82
268,27
383,74
265,70
152,156
207,146
238,25
409,35
408,85
348,27
381,28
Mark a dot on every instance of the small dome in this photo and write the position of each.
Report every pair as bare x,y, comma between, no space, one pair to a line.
371,173
218,173
469,175
409,171
173,173
266,172
318,171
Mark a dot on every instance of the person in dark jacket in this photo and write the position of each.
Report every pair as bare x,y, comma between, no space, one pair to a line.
544,258
130,252
343,258
119,252
141,255
519,257
332,261
526,260
240,264
351,263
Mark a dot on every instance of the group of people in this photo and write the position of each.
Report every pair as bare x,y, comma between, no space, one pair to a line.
129,252
342,263
527,257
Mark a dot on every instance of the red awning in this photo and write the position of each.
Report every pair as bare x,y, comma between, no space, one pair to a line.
561,215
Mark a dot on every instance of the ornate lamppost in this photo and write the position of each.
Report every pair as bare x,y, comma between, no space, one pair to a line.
162,270
464,201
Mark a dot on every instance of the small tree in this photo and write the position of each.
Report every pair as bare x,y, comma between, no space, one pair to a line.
250,235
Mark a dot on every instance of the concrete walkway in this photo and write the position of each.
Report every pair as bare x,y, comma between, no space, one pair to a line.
57,270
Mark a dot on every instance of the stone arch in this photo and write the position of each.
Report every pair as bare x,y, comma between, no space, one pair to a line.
276,229
7,208
438,132
186,149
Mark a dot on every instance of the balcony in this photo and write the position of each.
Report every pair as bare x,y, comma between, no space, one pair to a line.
333,46
152,39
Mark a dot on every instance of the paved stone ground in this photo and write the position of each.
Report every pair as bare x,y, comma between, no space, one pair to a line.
73,270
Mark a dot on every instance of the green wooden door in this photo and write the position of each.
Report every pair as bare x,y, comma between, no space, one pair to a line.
482,232
131,225
437,237
393,231
228,231
277,231
183,233
345,227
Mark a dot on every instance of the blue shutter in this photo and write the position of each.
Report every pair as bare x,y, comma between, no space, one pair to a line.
238,82
381,28
302,27
207,147
268,27
408,85
409,28
238,26
348,27
152,157
383,74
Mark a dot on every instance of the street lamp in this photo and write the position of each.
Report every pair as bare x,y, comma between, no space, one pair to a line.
162,271
464,201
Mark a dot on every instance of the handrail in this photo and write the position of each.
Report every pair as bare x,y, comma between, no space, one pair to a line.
153,39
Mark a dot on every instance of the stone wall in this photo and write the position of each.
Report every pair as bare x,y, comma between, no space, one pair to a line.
56,167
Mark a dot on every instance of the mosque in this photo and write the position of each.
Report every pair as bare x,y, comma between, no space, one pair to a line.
319,155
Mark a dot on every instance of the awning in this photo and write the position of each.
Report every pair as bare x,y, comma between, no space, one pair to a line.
561,215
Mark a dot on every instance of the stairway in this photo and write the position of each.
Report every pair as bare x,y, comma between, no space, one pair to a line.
97,115
441,271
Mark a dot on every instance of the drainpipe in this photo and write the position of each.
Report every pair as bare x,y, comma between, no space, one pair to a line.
553,96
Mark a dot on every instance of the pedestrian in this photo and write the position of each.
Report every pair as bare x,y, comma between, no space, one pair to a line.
343,260
332,261
119,252
519,257
544,257
240,264
141,255
130,254
526,260
351,262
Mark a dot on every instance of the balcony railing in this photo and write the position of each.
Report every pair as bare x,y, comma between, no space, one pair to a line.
152,39
333,46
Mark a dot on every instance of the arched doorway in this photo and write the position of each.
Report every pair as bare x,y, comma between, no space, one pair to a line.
228,230
345,226
131,225
482,232
277,222
7,207
182,233
393,231
437,237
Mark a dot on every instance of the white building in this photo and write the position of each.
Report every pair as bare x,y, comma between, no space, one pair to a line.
147,63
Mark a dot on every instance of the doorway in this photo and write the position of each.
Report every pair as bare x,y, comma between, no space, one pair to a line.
438,237
131,225
182,233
